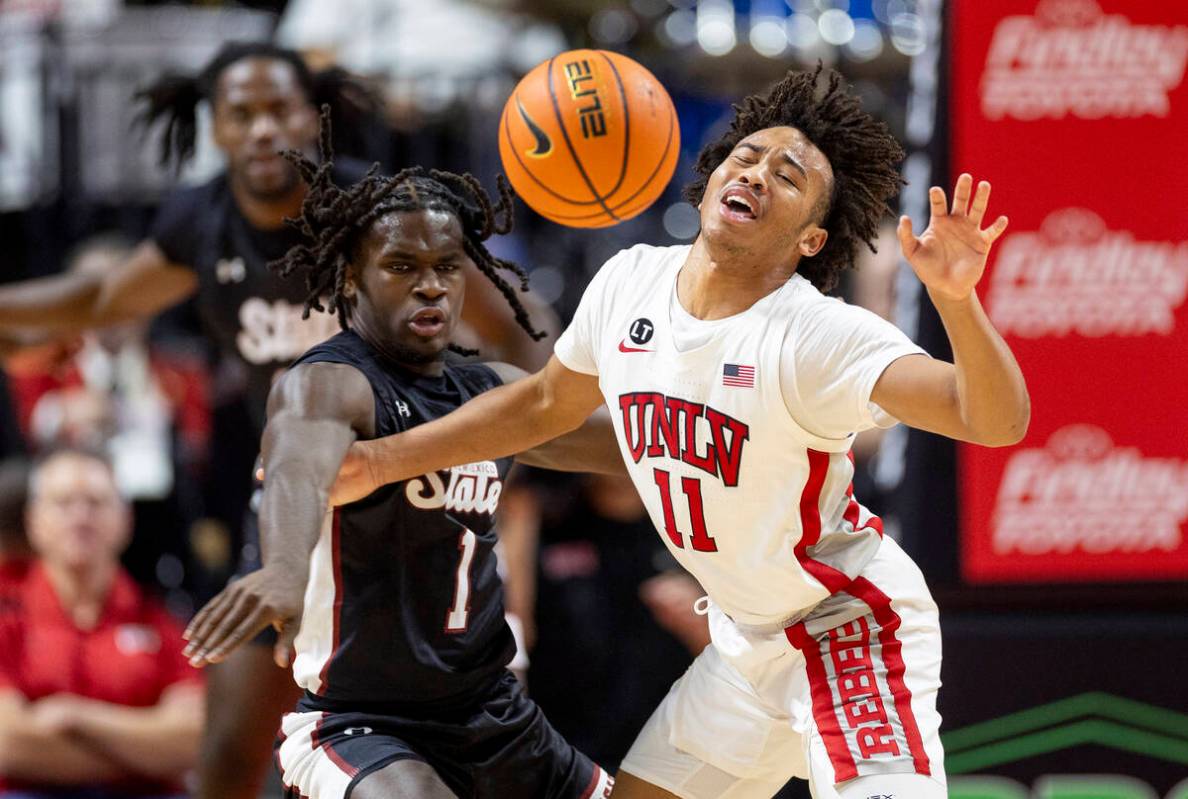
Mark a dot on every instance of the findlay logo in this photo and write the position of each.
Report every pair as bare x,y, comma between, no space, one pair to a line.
1072,59
1075,276
1082,493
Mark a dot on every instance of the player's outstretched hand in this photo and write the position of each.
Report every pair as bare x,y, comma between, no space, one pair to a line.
240,611
950,255
356,477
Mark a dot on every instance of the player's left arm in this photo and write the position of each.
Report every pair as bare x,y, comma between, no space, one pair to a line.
315,412
981,397
590,448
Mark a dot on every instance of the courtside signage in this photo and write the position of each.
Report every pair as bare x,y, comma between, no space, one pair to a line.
1077,110
1100,720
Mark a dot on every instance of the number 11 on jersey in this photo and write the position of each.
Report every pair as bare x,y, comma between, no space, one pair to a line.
701,539
459,613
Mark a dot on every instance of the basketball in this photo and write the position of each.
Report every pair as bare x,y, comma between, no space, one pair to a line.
589,138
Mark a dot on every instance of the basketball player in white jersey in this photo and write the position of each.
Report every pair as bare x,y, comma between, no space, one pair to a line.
738,388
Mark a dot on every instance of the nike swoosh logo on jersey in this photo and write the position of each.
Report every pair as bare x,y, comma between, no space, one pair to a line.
624,348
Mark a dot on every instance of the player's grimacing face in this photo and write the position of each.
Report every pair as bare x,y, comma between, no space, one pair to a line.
768,192
260,109
411,282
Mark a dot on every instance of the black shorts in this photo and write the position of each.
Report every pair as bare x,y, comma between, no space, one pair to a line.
500,748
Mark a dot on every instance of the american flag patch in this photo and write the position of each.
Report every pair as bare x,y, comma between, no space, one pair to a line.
735,374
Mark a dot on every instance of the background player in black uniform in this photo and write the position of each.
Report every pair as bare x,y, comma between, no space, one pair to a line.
213,242
403,646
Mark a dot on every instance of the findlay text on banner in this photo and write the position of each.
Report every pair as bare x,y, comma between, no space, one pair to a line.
1077,111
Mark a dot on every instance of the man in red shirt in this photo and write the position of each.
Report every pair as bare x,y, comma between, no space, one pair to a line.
95,697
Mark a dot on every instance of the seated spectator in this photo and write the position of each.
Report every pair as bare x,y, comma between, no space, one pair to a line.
96,701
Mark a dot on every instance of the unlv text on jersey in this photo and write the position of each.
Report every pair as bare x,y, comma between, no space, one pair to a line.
661,426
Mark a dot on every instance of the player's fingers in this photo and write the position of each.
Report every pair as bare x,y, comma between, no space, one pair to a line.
201,625
997,229
907,240
251,624
961,194
218,629
936,202
284,645
197,622
980,201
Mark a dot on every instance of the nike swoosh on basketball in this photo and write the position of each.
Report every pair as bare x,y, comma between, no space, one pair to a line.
544,145
624,348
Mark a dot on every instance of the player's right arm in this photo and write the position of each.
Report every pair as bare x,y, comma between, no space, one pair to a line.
512,418
315,411
139,288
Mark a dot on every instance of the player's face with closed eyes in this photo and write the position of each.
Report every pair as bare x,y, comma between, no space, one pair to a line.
410,284
769,190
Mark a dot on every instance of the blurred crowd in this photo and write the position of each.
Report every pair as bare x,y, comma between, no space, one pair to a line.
126,452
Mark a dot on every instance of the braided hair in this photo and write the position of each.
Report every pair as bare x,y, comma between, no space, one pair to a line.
334,220
863,154
175,98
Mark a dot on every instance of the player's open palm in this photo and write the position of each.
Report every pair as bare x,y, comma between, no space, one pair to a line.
949,257
241,611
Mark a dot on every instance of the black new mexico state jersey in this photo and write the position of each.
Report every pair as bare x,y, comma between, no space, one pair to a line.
404,607
250,312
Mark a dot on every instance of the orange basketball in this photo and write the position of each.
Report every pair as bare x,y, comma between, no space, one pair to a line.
589,138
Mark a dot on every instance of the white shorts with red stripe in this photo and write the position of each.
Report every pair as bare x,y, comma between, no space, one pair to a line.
848,692
307,767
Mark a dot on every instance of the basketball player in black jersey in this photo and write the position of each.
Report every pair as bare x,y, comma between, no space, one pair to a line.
403,645
214,242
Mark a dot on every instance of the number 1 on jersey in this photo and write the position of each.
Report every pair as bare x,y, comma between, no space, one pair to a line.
459,613
701,539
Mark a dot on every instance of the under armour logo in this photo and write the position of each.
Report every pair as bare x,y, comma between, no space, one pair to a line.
402,409
358,731
231,271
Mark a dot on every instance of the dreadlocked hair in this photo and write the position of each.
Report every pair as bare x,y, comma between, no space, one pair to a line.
862,152
174,98
333,221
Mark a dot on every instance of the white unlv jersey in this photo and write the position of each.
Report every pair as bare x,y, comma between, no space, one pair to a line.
756,507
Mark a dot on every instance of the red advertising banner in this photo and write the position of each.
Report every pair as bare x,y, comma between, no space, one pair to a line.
1077,111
